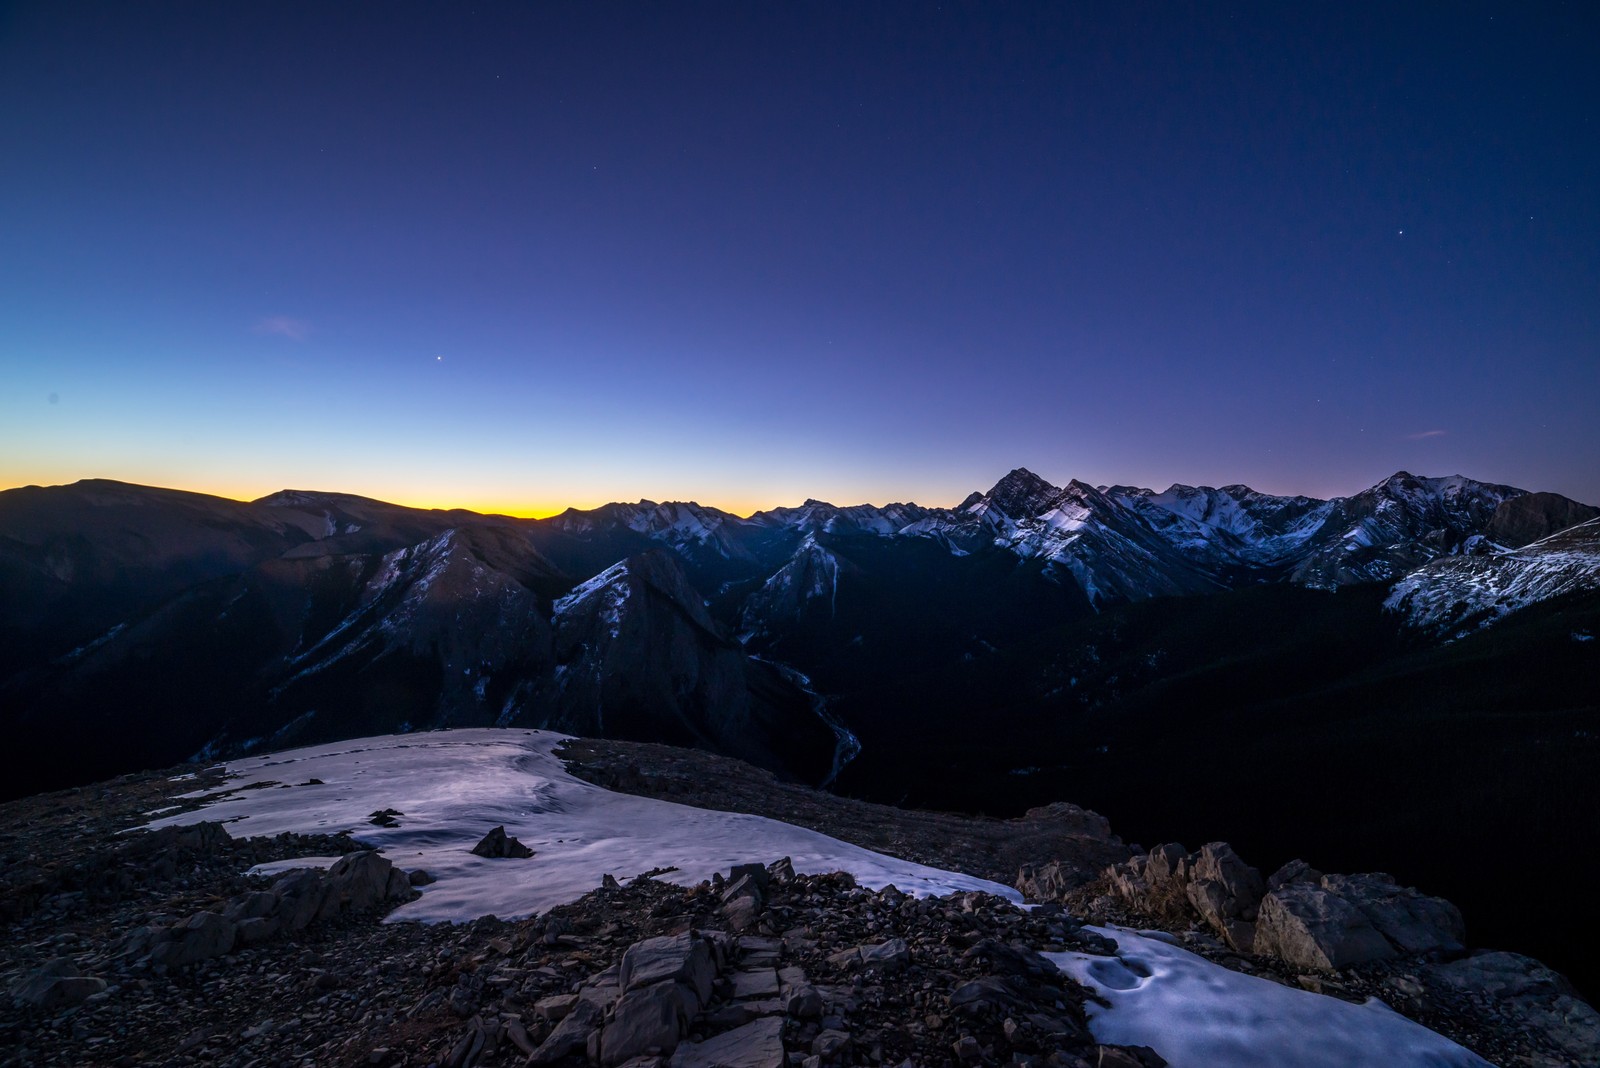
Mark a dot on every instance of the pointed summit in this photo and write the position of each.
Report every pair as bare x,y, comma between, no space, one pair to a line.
1023,494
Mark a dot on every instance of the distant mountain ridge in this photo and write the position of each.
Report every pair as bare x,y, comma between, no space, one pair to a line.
308,615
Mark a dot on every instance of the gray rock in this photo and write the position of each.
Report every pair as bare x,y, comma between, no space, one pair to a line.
252,905
1170,862
1538,999
1499,974
755,983
1224,890
497,844
992,992
1296,871
1073,820
830,1043
201,937
757,873
1310,927
803,1003
646,1018
1413,922
758,1044
685,958
555,1007
571,1035
256,930
889,957
742,912
57,985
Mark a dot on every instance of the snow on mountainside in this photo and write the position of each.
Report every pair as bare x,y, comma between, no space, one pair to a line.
1455,595
1107,548
1125,543
452,786
1397,525
1231,526
819,516
638,656
812,574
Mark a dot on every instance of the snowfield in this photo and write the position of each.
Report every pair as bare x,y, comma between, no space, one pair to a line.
454,786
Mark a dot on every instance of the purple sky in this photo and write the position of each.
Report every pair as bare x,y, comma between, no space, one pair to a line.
521,256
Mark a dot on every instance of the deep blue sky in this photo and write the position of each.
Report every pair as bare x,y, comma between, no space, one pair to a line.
523,256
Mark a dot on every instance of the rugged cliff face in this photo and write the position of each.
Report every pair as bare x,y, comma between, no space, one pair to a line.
638,656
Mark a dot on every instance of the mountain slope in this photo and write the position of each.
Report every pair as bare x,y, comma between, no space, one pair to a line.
1455,595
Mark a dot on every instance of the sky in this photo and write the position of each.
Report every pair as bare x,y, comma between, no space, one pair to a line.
515,257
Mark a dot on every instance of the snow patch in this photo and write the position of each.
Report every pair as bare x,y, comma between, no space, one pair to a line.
454,786
1198,1014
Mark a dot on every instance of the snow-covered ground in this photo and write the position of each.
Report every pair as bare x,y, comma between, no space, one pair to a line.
1197,1014
453,786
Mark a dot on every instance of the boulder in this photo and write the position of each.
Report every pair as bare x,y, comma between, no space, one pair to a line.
201,937
57,985
571,1035
1224,890
256,930
497,845
1538,999
685,958
803,1003
1503,976
891,956
555,1007
252,905
996,993
1413,922
1073,820
757,873
1310,927
1296,871
758,1044
646,1018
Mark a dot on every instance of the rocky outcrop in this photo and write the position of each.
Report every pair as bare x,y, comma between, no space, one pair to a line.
1225,891
1306,926
825,973
297,899
1526,993
497,844
1522,520
1299,915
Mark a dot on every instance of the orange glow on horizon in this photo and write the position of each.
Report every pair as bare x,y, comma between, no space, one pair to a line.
484,506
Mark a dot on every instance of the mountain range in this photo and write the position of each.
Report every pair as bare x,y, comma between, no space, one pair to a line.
1347,677
303,616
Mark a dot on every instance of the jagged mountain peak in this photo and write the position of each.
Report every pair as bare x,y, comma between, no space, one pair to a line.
1022,494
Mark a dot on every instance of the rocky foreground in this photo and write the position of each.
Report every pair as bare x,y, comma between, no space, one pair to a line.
156,948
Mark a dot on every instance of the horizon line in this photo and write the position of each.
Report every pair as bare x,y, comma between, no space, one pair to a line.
537,512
